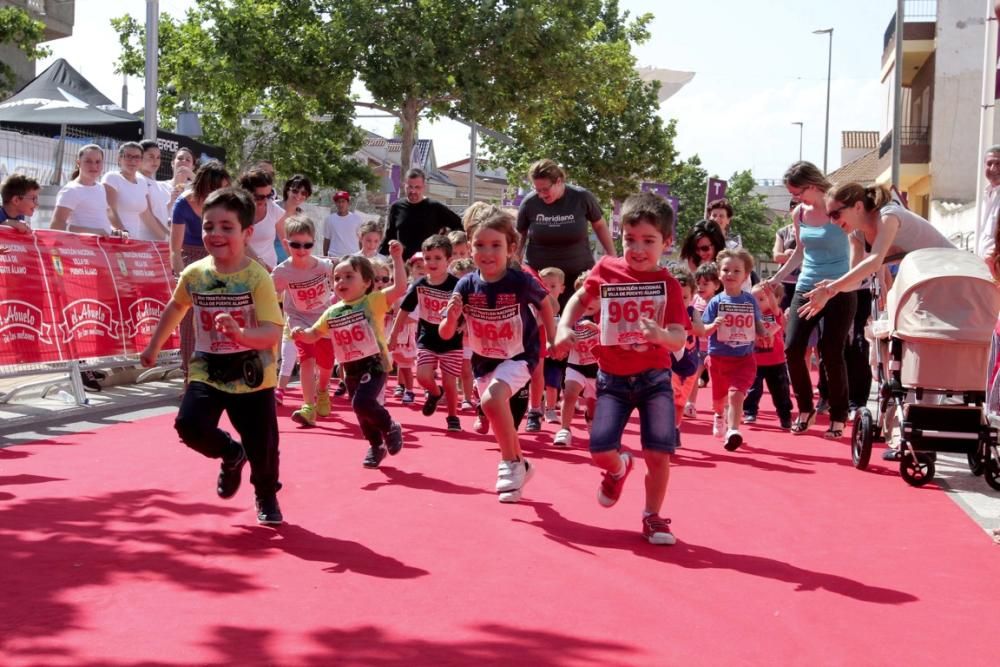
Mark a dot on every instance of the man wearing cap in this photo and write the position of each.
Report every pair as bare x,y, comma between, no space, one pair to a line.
414,218
340,229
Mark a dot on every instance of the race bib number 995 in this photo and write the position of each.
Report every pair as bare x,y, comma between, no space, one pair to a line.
624,304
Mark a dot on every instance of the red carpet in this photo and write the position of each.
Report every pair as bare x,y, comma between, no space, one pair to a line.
114,551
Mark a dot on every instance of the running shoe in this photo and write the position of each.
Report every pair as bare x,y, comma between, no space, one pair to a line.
534,422
394,438
749,418
398,391
657,530
374,456
611,487
733,440
564,438
514,495
690,411
551,417
453,423
467,405
322,403
341,389
430,405
268,511
510,475
305,416
481,425
408,398
716,426
231,474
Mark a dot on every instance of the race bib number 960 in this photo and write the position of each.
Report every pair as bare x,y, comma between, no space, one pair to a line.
495,332
624,304
738,324
207,307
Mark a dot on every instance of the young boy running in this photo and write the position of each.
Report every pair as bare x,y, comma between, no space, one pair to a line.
237,326
432,293
306,282
554,280
642,320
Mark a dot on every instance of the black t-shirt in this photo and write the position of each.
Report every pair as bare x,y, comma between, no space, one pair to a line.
558,234
432,299
411,224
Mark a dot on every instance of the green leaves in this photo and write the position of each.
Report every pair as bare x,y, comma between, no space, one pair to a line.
18,29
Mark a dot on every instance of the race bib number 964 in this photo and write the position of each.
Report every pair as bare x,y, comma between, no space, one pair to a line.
207,307
624,304
738,324
495,332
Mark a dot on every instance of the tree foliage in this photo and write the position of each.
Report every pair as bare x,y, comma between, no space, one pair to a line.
607,132
750,219
18,29
270,78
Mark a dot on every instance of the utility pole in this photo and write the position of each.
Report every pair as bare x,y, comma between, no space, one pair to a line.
152,67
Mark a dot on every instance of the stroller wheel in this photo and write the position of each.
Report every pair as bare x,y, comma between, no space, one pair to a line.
861,438
916,471
976,464
991,468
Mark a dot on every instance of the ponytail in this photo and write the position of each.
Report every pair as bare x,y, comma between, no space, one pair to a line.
874,197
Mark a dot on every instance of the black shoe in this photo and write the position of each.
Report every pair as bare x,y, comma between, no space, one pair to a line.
374,456
454,424
430,405
534,422
268,511
341,390
92,380
231,474
393,441
786,423
892,455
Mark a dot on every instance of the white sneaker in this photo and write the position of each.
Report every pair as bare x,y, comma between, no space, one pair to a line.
551,417
689,411
514,495
733,440
716,426
563,438
510,475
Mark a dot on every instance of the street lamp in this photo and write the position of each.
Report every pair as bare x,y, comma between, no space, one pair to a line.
799,123
829,62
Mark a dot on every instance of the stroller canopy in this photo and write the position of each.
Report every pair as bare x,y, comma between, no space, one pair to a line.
943,294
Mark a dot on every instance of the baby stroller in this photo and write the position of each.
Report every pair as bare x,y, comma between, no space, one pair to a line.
930,348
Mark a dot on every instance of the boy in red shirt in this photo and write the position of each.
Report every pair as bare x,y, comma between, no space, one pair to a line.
642,320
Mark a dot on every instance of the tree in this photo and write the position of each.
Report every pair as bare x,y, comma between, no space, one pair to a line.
688,182
488,62
18,29
270,78
750,219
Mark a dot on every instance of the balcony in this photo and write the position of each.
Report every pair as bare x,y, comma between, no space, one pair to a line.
919,32
915,142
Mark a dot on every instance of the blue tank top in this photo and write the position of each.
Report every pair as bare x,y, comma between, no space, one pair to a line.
826,255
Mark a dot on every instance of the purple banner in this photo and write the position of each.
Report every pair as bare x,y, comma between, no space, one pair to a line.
716,190
616,219
661,189
516,201
395,176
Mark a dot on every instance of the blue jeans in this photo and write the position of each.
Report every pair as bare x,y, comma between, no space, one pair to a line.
365,390
618,395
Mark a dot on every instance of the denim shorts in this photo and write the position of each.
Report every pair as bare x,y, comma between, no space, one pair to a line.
618,395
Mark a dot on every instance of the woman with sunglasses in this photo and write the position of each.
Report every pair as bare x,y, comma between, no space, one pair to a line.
297,190
703,243
821,249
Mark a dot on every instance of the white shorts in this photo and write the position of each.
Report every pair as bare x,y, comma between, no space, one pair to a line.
589,384
514,374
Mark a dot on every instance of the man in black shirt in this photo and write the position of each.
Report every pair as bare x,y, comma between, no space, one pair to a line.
414,219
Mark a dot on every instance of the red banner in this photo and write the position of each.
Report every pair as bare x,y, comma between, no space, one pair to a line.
70,296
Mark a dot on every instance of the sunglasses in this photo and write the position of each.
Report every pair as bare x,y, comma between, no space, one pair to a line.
300,191
298,246
836,213
383,279
260,198
704,248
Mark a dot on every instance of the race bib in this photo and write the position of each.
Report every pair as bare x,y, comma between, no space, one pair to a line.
738,325
496,333
207,307
769,322
623,304
432,302
353,337
582,352
310,295
406,343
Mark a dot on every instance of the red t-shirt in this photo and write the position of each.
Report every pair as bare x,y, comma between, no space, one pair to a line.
625,296
774,355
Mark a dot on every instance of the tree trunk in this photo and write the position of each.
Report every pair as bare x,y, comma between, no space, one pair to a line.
408,116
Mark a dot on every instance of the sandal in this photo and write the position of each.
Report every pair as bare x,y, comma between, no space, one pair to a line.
835,432
802,425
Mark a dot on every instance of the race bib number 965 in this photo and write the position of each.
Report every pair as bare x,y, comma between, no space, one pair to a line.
624,304
353,337
207,307
495,332
738,324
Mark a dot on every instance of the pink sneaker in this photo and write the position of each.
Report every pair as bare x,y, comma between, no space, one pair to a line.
279,396
611,488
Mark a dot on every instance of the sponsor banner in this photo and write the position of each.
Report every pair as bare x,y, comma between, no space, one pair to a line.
716,190
70,296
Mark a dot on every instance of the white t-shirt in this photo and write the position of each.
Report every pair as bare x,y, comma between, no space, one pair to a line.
88,205
987,230
342,232
264,233
159,197
131,203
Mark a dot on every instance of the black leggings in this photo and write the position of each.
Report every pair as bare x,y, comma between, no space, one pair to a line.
838,320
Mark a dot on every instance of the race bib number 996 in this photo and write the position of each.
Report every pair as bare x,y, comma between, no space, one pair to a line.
738,324
495,333
207,307
624,304
353,337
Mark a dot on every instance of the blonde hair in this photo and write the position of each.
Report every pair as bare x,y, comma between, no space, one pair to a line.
553,272
457,237
546,169
498,219
873,197
580,279
300,224
369,227
805,175
462,266
740,254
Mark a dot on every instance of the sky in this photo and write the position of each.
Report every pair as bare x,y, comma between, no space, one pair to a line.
758,68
